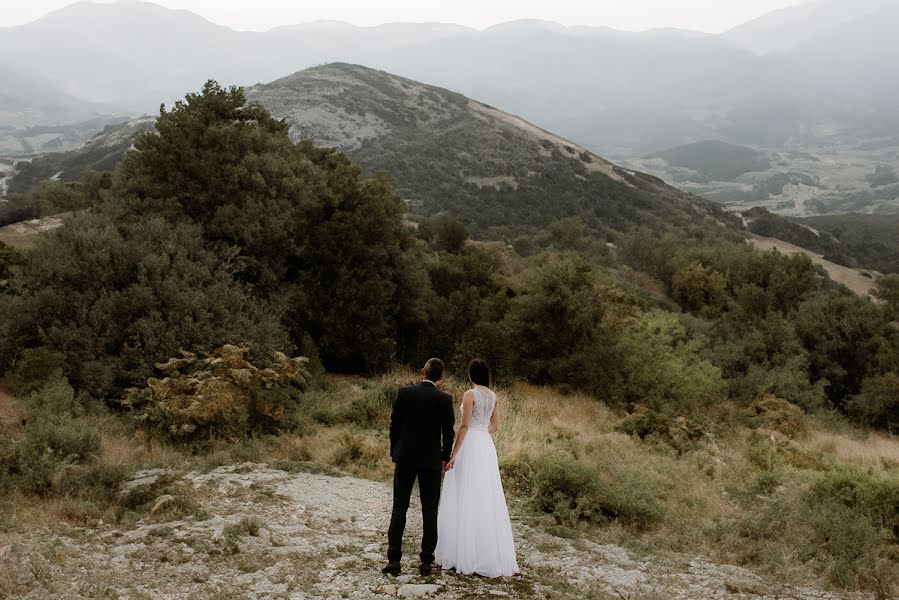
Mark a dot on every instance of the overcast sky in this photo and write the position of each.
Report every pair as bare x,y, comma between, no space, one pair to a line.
704,15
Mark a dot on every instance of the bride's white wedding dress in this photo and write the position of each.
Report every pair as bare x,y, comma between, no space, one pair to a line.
474,533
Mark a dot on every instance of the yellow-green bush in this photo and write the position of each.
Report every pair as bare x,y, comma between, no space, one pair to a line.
574,492
222,395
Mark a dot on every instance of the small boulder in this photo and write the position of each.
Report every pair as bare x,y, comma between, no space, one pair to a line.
417,590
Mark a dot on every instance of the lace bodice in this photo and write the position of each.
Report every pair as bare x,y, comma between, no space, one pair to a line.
484,403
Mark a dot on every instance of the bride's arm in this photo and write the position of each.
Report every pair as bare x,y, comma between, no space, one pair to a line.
494,418
467,409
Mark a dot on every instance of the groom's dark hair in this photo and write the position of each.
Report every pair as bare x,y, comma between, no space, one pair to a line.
434,369
479,372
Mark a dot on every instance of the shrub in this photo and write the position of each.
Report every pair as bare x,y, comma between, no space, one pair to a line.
54,399
99,483
372,408
678,433
50,446
660,367
770,412
878,402
853,520
33,368
574,492
222,395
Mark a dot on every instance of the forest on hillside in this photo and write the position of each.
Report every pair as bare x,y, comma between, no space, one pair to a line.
220,249
220,229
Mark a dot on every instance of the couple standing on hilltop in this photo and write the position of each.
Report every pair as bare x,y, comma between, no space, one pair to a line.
472,532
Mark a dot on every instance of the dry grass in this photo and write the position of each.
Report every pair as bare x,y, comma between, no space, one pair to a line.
875,450
533,419
12,414
707,494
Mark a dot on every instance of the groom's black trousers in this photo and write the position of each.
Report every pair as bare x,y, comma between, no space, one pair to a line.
429,489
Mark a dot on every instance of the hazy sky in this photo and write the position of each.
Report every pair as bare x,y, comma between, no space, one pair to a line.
703,15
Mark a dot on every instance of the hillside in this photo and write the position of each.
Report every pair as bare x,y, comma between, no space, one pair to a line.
100,153
500,175
853,240
494,171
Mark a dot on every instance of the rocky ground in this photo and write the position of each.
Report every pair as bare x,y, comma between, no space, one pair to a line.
265,533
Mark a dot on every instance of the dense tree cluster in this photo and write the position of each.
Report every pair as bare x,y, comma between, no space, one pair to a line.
217,229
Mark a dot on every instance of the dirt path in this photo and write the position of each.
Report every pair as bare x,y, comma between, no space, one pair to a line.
851,278
306,536
24,234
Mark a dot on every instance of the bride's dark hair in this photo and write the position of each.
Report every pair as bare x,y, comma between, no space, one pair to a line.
479,372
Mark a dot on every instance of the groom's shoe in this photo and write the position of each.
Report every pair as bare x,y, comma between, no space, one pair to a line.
392,568
425,569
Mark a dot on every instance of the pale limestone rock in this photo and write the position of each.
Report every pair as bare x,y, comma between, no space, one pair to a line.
417,590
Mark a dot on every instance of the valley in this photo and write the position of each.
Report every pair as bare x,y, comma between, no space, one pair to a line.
798,181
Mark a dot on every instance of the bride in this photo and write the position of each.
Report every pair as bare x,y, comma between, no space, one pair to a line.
474,530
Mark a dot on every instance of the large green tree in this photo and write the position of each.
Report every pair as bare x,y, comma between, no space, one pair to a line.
114,294
307,231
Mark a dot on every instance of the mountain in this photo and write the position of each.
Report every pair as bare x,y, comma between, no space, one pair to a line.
502,176
617,92
787,28
27,98
860,54
620,94
112,52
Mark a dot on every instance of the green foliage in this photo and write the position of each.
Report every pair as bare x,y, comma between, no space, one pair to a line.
680,434
864,241
368,407
309,232
113,294
57,442
34,367
54,197
878,402
847,338
17,208
558,319
696,287
574,492
444,233
221,396
887,290
660,368
854,518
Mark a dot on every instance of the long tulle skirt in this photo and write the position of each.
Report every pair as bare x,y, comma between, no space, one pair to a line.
473,525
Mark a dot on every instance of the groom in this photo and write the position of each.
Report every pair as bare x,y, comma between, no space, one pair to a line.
422,417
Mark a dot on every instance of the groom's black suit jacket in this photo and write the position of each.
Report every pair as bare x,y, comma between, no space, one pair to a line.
422,418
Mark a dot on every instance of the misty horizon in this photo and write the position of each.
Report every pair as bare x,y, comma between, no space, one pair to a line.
616,19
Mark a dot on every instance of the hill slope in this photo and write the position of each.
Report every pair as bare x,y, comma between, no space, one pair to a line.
495,171
500,175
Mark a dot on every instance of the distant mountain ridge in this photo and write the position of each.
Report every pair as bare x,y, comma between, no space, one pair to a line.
787,28
619,93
